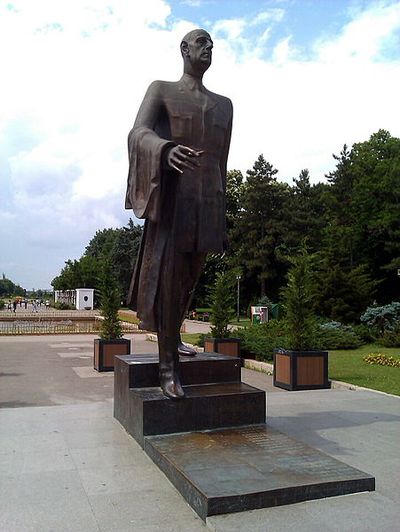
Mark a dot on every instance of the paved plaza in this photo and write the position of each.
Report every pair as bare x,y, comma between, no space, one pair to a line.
67,465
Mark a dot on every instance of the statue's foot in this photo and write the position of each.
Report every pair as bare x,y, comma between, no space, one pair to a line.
185,350
172,388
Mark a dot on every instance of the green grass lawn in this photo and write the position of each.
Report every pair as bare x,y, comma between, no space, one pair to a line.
243,321
348,366
125,316
190,338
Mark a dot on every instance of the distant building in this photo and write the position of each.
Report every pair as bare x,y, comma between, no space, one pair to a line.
81,298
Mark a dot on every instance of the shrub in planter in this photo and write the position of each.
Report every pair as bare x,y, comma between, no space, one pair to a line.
222,303
111,342
110,300
300,367
297,302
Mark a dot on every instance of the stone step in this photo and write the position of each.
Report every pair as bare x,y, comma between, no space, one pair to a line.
245,468
204,368
146,411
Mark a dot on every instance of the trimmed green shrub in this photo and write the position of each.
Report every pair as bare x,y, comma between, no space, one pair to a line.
298,302
260,340
60,305
385,318
390,338
364,333
2,304
110,301
335,335
222,302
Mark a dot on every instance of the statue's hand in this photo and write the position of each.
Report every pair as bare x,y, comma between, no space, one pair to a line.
181,157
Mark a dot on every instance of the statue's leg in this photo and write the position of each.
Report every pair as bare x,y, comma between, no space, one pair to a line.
169,321
195,264
169,367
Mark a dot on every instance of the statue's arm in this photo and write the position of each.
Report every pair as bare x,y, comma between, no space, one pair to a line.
150,108
146,153
227,142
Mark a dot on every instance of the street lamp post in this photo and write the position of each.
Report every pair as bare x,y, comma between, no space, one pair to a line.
238,277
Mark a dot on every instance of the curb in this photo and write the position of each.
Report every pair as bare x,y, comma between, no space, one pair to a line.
153,338
265,367
257,365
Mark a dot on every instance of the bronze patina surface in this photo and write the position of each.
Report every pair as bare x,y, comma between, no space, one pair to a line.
244,468
178,150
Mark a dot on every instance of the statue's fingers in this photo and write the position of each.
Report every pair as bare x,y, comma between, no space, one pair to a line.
172,165
188,164
188,151
187,159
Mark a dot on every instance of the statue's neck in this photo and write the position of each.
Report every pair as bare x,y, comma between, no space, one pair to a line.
193,81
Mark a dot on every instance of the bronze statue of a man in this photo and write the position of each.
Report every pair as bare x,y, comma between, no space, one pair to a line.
178,150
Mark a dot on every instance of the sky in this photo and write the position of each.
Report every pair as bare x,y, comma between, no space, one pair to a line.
305,77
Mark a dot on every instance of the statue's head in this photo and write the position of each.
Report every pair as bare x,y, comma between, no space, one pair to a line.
196,50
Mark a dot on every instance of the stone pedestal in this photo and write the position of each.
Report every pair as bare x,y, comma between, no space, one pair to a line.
225,471
214,445
215,396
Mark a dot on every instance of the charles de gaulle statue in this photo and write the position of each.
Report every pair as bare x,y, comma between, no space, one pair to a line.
178,150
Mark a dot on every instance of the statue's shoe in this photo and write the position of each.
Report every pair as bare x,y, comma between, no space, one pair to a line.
185,350
172,389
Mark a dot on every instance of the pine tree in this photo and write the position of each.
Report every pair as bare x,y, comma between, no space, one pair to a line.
259,228
222,299
110,299
298,302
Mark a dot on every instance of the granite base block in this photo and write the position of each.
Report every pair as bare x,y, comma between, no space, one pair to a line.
204,368
214,396
238,469
206,406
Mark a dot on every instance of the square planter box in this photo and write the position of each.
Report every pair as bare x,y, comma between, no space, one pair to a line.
301,370
224,346
105,351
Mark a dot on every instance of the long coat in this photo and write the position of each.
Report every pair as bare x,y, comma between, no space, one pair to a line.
190,207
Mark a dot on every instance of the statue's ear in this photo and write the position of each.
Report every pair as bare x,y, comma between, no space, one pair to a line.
184,48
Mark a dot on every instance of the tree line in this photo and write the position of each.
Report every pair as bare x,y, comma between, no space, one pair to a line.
9,289
350,224
118,247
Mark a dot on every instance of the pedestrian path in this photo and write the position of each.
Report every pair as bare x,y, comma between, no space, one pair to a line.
67,465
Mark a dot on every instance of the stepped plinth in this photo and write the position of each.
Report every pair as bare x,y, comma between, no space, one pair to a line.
214,444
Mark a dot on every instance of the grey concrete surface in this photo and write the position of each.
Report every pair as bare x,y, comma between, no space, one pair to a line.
67,465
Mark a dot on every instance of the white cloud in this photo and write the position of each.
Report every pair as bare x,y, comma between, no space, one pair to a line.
76,72
282,51
364,38
192,3
230,28
274,14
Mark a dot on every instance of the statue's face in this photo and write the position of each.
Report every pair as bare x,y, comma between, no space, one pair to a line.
199,50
